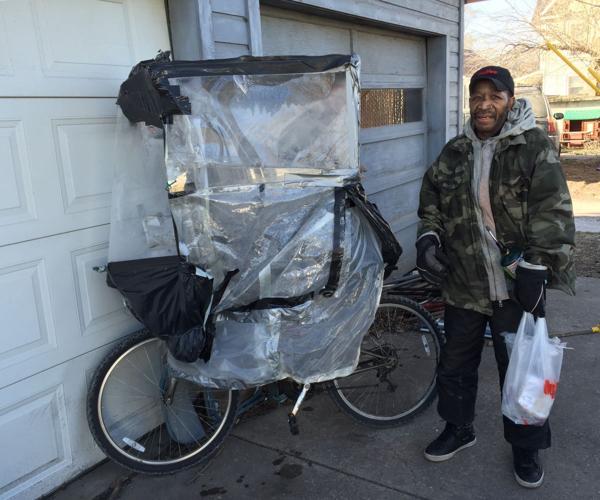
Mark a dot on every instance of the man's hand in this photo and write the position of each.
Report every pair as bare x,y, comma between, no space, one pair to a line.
531,288
432,262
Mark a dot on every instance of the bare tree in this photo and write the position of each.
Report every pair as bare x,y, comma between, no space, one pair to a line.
572,26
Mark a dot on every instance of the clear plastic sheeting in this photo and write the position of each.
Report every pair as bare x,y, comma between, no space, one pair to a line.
141,224
314,341
279,238
261,174
253,129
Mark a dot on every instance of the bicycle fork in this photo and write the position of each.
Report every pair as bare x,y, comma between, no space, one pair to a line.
292,420
169,391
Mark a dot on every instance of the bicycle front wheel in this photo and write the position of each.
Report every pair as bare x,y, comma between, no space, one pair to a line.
395,376
148,421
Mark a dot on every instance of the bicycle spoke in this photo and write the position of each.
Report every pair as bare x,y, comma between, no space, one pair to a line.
396,372
146,428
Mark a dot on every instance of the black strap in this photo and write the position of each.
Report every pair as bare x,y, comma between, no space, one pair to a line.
176,233
218,295
337,254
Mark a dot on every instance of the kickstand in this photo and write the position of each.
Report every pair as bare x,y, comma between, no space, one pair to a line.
292,420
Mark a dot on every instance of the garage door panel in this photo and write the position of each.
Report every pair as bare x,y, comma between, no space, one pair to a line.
105,27
99,307
6,67
391,178
43,424
64,307
83,48
285,36
37,450
384,156
16,190
25,294
393,81
393,55
398,201
58,160
84,149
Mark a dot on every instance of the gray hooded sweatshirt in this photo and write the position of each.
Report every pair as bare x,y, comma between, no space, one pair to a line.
520,118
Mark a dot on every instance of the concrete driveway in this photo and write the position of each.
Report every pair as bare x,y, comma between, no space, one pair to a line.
334,457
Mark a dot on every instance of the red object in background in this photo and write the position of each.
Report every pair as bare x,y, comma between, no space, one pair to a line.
551,125
577,132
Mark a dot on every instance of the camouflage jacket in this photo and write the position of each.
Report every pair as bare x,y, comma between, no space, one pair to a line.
531,206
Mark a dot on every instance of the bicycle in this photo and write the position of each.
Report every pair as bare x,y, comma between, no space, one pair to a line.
150,422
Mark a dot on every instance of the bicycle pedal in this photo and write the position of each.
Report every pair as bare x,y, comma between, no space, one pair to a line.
293,423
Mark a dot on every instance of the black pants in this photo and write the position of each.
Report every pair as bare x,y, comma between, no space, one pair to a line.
459,361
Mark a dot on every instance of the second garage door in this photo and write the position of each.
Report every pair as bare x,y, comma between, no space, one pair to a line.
393,83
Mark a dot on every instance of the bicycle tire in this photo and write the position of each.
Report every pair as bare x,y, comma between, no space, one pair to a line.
194,424
396,343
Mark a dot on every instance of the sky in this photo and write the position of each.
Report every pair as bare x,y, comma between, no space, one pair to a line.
489,22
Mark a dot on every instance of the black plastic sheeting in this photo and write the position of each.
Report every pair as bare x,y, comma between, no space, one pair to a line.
147,96
170,299
390,247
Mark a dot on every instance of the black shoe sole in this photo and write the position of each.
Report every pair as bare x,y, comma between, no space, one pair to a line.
526,484
448,456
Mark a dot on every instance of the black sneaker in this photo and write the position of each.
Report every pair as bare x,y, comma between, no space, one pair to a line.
529,472
452,439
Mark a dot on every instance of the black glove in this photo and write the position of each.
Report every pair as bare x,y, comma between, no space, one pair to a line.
432,262
530,288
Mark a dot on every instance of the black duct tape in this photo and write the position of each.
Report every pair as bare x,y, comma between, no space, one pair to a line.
146,95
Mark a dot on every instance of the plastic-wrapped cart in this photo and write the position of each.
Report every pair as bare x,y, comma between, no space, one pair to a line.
240,232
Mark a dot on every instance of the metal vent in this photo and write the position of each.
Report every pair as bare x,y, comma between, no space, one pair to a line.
383,107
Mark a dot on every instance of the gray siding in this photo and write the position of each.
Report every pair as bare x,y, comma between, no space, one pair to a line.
230,28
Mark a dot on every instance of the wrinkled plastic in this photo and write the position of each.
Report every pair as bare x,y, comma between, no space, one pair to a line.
261,176
314,341
253,129
257,163
533,373
141,225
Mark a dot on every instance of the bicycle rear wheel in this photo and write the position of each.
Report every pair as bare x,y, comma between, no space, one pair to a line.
148,421
395,376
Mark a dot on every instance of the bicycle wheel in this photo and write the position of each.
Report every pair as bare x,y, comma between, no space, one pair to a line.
395,376
148,421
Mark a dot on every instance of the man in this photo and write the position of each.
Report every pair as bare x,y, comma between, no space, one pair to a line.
500,180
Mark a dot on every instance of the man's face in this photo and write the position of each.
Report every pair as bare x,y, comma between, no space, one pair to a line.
489,108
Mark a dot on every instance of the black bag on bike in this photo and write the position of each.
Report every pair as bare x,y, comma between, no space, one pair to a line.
171,298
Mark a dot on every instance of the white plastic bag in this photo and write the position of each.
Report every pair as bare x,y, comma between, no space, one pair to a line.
533,372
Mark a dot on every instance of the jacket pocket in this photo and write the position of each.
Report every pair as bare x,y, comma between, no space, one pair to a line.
454,192
513,196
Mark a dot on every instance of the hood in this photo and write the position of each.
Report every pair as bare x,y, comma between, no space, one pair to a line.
520,118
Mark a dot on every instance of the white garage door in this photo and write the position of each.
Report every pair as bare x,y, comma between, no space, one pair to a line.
61,63
393,77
